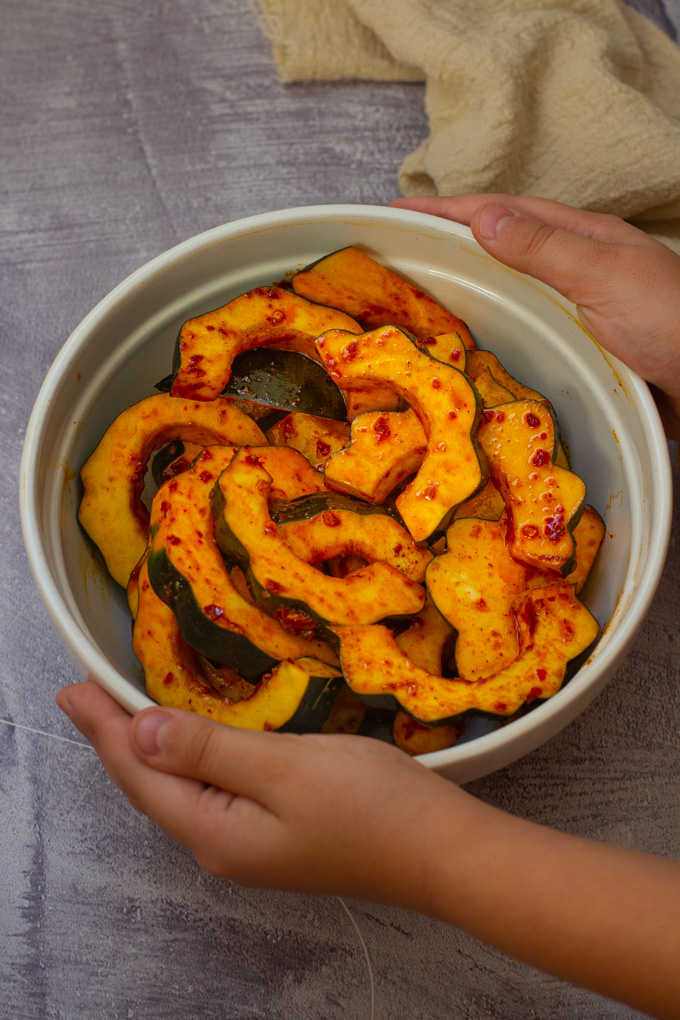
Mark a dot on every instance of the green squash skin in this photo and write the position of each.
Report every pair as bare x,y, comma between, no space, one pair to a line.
315,706
316,503
213,641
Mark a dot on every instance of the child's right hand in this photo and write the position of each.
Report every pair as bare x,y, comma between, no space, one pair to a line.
625,284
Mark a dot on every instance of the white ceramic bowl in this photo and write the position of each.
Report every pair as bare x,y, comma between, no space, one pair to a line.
125,345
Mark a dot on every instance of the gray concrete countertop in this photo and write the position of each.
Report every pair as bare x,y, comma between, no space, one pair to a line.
127,128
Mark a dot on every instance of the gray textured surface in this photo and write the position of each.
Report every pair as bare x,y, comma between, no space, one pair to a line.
126,128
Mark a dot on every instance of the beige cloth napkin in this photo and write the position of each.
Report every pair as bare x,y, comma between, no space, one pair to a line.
578,100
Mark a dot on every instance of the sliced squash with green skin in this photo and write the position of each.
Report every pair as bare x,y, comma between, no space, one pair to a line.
296,696
188,573
321,527
445,403
279,580
375,296
475,585
385,448
207,344
544,500
482,366
111,510
490,391
554,627
588,537
316,438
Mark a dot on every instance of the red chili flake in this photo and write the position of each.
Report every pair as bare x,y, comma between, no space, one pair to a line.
532,420
264,292
296,622
199,534
500,706
273,586
529,531
455,355
486,415
480,604
322,448
554,526
349,351
500,416
426,341
436,384
397,549
168,679
210,328
541,675
430,492
205,477
381,427
540,458
276,317
195,358
452,415
330,519
543,435
174,540
213,612
165,506
252,459
535,692
172,485
195,370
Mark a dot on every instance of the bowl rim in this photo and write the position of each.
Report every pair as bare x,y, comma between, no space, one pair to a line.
87,655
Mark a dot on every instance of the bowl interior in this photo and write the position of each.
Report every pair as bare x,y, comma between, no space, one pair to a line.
125,346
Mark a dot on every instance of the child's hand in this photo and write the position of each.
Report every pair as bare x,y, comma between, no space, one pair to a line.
325,814
625,284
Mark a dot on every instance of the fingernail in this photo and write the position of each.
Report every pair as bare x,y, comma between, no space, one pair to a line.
147,732
492,219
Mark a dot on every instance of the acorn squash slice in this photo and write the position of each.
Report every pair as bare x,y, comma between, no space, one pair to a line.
282,582
445,403
544,500
554,627
416,738
111,510
207,344
320,527
188,573
375,296
316,438
385,448
296,696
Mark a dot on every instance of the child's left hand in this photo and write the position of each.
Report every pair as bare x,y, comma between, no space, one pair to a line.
310,813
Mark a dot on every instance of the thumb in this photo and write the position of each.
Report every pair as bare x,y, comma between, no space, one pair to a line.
573,263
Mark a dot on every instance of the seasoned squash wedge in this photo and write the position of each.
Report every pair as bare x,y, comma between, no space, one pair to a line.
384,449
188,573
320,527
316,438
296,696
281,581
207,344
445,403
415,737
554,627
374,296
475,586
111,510
543,499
